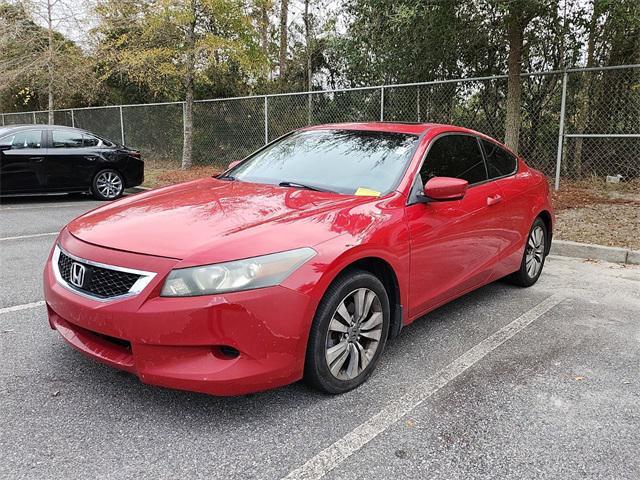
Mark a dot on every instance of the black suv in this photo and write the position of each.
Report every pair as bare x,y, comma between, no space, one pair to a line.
55,159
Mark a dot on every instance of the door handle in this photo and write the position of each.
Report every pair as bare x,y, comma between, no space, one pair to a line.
36,159
91,158
493,200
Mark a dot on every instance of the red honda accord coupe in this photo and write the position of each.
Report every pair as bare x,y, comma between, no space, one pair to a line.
300,261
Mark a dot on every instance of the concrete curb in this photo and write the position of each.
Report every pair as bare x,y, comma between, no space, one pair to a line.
566,248
138,189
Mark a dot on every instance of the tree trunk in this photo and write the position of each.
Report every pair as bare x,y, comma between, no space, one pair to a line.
284,20
307,35
190,40
583,96
264,27
515,34
50,72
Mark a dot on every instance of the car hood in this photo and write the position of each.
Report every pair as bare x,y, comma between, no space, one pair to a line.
209,220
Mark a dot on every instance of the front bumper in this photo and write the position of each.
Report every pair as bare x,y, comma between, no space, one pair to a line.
176,342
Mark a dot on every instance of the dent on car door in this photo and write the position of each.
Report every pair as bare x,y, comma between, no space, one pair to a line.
70,162
21,162
454,244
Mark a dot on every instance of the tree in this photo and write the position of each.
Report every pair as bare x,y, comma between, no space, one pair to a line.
169,44
38,62
390,41
613,37
517,16
284,32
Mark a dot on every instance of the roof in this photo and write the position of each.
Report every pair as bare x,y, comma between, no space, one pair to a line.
16,128
413,128
395,127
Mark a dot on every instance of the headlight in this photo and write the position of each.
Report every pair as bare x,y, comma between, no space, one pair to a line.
247,274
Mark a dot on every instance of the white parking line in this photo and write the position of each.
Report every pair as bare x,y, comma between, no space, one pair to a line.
24,306
336,453
29,236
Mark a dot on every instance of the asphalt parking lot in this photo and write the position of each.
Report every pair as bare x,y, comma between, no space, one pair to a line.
503,383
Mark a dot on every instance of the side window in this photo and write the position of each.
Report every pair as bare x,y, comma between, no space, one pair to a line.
67,139
28,139
457,156
499,161
6,141
89,140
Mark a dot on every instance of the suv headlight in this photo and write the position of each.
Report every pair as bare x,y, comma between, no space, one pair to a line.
256,272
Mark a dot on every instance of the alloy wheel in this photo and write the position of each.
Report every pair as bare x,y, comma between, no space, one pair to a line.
535,251
109,184
354,334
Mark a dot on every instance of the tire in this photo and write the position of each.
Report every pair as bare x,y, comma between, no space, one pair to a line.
107,185
534,251
343,350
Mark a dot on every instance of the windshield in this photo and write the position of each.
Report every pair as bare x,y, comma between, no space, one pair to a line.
344,161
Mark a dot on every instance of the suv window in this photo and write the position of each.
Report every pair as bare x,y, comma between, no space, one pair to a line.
499,161
67,139
27,139
456,156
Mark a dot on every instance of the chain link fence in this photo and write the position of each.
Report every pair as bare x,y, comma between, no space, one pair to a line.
576,124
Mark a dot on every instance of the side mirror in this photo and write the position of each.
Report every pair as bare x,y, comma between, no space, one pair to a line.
443,189
5,148
233,164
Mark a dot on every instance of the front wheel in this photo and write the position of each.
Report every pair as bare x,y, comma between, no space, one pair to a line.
107,185
533,257
348,334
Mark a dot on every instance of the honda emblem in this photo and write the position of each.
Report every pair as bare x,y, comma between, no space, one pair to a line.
76,276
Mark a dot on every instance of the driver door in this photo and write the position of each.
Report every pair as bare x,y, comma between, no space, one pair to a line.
453,243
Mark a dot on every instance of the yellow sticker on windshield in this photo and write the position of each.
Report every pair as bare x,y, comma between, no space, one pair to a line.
366,192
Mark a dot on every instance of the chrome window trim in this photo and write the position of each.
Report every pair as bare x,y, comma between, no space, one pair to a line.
140,284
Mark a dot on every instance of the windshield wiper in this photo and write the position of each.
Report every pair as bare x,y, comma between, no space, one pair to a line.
306,187
231,178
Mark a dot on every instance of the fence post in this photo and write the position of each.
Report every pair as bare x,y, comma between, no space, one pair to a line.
382,104
121,126
418,103
33,115
309,110
266,119
73,120
2,119
563,103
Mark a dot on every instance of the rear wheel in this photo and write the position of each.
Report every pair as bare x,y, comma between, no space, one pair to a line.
107,185
533,257
348,334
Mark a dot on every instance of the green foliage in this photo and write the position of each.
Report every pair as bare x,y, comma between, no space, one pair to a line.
143,46
23,67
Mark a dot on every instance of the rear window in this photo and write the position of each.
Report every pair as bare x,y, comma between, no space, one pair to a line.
67,139
90,140
499,162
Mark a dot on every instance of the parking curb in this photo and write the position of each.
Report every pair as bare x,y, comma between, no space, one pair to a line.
138,189
566,248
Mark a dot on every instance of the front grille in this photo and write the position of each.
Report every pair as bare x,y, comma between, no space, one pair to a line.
97,281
